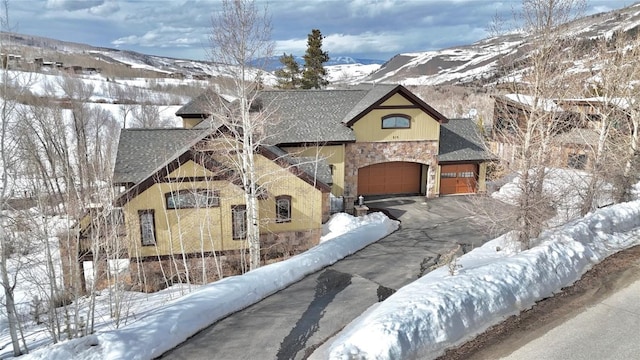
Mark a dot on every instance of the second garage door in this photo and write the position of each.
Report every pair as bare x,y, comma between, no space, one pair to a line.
458,179
389,178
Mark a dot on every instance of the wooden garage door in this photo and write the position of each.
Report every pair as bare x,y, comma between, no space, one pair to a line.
458,179
389,178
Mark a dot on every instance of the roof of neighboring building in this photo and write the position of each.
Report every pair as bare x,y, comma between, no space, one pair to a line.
142,151
528,101
460,140
600,101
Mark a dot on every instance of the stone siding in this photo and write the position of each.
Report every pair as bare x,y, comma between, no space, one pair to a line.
363,154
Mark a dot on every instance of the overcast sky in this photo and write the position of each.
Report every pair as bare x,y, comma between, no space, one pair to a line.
359,28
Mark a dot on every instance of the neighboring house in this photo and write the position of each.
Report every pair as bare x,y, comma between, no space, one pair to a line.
183,204
576,132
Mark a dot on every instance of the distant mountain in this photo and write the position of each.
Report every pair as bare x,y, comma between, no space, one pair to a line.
479,62
273,63
350,69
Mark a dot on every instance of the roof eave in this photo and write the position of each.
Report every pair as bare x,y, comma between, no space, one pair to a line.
295,170
406,93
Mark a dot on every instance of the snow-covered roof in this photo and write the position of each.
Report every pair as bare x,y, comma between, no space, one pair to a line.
530,101
621,103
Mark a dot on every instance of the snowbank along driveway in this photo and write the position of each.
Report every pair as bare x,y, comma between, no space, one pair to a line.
294,322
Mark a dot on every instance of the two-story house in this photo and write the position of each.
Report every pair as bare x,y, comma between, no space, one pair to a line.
184,208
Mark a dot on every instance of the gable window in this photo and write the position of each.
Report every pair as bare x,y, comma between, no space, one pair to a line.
396,121
192,198
239,222
283,209
147,227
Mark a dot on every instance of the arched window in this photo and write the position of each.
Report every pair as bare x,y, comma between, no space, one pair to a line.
396,121
283,208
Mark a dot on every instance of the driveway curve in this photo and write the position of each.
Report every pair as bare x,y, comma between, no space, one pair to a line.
295,321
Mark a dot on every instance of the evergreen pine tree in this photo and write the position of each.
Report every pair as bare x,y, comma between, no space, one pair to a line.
314,72
289,75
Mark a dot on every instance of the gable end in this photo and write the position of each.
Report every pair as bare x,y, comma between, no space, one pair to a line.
401,90
163,172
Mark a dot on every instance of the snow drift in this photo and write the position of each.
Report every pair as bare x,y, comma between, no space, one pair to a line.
440,310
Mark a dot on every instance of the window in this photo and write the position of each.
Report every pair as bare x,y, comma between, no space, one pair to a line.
239,222
192,198
147,227
283,209
448,175
466,174
396,121
577,161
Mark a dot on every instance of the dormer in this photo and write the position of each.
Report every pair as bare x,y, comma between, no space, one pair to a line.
202,107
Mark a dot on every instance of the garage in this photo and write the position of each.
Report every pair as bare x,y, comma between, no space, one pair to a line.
390,178
458,179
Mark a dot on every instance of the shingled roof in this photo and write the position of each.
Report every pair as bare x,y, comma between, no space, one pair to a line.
313,116
460,140
142,151
202,104
310,116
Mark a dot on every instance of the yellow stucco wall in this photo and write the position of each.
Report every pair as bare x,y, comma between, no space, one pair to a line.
190,168
209,229
189,123
332,154
423,126
306,200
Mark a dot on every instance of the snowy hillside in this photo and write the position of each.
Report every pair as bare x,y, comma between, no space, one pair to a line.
481,60
457,65
349,74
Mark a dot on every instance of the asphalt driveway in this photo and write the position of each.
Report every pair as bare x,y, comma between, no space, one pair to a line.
294,322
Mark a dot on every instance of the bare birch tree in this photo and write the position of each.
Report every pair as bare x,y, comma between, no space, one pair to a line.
240,35
532,132
630,100
613,67
9,91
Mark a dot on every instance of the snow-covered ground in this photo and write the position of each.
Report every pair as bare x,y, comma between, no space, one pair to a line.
565,189
442,309
490,283
155,327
